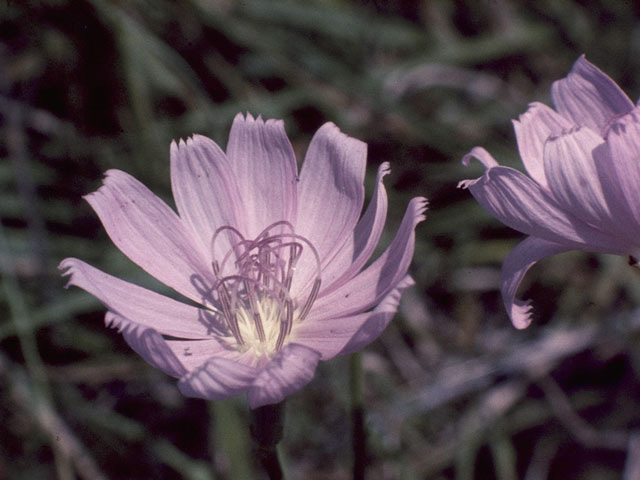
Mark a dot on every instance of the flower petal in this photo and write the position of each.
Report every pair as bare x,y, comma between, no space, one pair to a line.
265,169
367,288
147,231
574,180
355,253
533,128
520,203
205,190
147,343
194,353
331,192
378,320
291,369
217,379
333,336
618,165
588,97
480,154
139,305
514,267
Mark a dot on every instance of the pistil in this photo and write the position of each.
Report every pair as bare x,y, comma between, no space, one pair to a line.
254,282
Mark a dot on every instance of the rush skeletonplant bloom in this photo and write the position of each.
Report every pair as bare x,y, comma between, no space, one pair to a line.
582,191
274,262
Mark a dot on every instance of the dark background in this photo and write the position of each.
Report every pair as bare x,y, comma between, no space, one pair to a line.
452,389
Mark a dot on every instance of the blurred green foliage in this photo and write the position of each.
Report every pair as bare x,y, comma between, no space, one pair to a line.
452,390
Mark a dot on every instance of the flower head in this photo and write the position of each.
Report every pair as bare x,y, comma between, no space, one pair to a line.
274,261
582,191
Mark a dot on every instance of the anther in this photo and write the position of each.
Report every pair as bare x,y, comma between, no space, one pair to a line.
229,312
310,299
257,320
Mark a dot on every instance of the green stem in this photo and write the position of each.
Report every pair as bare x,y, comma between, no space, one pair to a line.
358,434
267,427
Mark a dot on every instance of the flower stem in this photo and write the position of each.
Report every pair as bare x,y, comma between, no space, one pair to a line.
267,426
358,434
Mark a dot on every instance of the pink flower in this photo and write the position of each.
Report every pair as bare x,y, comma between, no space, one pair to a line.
274,261
582,192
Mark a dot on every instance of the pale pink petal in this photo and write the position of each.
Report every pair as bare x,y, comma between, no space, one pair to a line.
217,379
378,319
147,343
205,190
367,288
139,305
520,203
619,166
194,353
514,267
573,178
480,154
333,336
146,230
291,369
533,128
357,251
265,169
328,336
588,97
331,190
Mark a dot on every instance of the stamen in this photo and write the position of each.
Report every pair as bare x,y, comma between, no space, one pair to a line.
257,320
229,312
254,289
215,236
310,299
293,259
